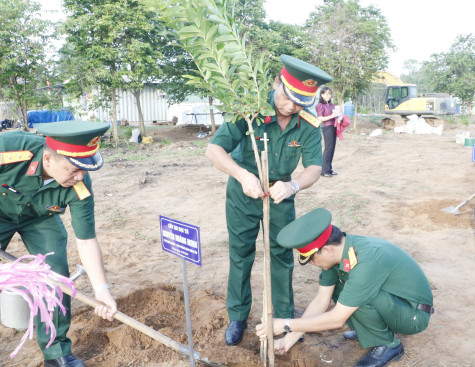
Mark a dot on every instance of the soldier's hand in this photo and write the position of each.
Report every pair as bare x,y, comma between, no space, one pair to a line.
281,191
251,186
107,307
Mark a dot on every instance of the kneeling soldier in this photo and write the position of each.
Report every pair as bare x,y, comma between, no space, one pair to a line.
378,289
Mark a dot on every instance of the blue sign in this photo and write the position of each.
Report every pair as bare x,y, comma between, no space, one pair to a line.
181,239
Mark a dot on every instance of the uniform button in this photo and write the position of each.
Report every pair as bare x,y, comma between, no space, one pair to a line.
28,204
50,213
276,154
271,171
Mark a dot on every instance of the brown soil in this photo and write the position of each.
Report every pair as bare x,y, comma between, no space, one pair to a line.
393,186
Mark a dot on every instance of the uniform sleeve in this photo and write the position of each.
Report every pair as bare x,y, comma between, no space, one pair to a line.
312,147
82,214
328,277
364,283
229,135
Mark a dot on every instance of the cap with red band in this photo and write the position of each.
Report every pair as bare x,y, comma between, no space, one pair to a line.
78,141
301,80
307,234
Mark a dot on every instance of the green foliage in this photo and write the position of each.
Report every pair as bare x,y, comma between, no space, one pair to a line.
273,38
453,72
225,68
23,62
350,42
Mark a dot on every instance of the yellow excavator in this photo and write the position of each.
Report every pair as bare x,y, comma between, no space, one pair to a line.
402,99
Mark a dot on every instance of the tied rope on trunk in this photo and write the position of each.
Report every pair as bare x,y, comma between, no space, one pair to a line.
32,281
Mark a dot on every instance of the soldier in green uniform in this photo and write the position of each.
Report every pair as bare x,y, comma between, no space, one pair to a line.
378,289
40,177
293,133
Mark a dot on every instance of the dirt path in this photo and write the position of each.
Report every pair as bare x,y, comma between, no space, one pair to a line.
391,186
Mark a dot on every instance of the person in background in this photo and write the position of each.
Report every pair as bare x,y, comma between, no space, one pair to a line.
40,177
378,289
327,114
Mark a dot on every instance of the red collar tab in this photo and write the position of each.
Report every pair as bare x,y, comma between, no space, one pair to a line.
319,242
306,87
72,150
267,120
32,169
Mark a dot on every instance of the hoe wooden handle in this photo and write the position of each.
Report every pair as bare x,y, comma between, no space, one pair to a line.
165,340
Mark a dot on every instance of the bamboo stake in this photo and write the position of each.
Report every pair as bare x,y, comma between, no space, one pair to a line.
165,340
267,274
263,350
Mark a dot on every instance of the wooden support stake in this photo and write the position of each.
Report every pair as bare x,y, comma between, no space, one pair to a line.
267,264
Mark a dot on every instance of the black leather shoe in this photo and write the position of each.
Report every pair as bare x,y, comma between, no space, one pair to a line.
381,356
327,175
351,335
66,361
235,332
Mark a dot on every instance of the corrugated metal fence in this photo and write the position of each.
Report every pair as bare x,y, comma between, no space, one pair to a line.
153,102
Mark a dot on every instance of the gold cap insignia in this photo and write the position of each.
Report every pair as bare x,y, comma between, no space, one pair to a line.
93,141
310,83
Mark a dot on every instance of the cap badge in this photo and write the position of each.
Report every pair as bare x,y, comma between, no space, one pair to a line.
310,83
93,142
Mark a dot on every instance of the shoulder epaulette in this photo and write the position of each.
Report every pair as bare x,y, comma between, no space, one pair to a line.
81,190
15,157
311,119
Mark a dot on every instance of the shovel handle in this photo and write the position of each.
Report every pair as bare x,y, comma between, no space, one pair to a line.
465,201
124,318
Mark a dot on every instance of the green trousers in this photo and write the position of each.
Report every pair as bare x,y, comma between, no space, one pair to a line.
376,322
44,235
243,216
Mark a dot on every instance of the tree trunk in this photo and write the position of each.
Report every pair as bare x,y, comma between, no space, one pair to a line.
211,114
24,116
114,116
136,94
355,113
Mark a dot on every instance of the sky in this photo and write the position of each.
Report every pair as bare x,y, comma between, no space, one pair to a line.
419,28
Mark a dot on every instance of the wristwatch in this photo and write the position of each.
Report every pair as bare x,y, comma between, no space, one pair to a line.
287,328
295,186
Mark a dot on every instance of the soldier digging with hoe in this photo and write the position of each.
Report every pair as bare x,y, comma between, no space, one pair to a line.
39,179
293,134
378,289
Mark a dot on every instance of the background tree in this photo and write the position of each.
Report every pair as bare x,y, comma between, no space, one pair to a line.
92,53
23,53
350,42
453,72
273,38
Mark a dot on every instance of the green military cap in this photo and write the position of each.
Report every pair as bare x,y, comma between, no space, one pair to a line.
307,234
301,80
78,141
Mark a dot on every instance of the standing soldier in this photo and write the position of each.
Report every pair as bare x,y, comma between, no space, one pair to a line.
293,133
39,179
